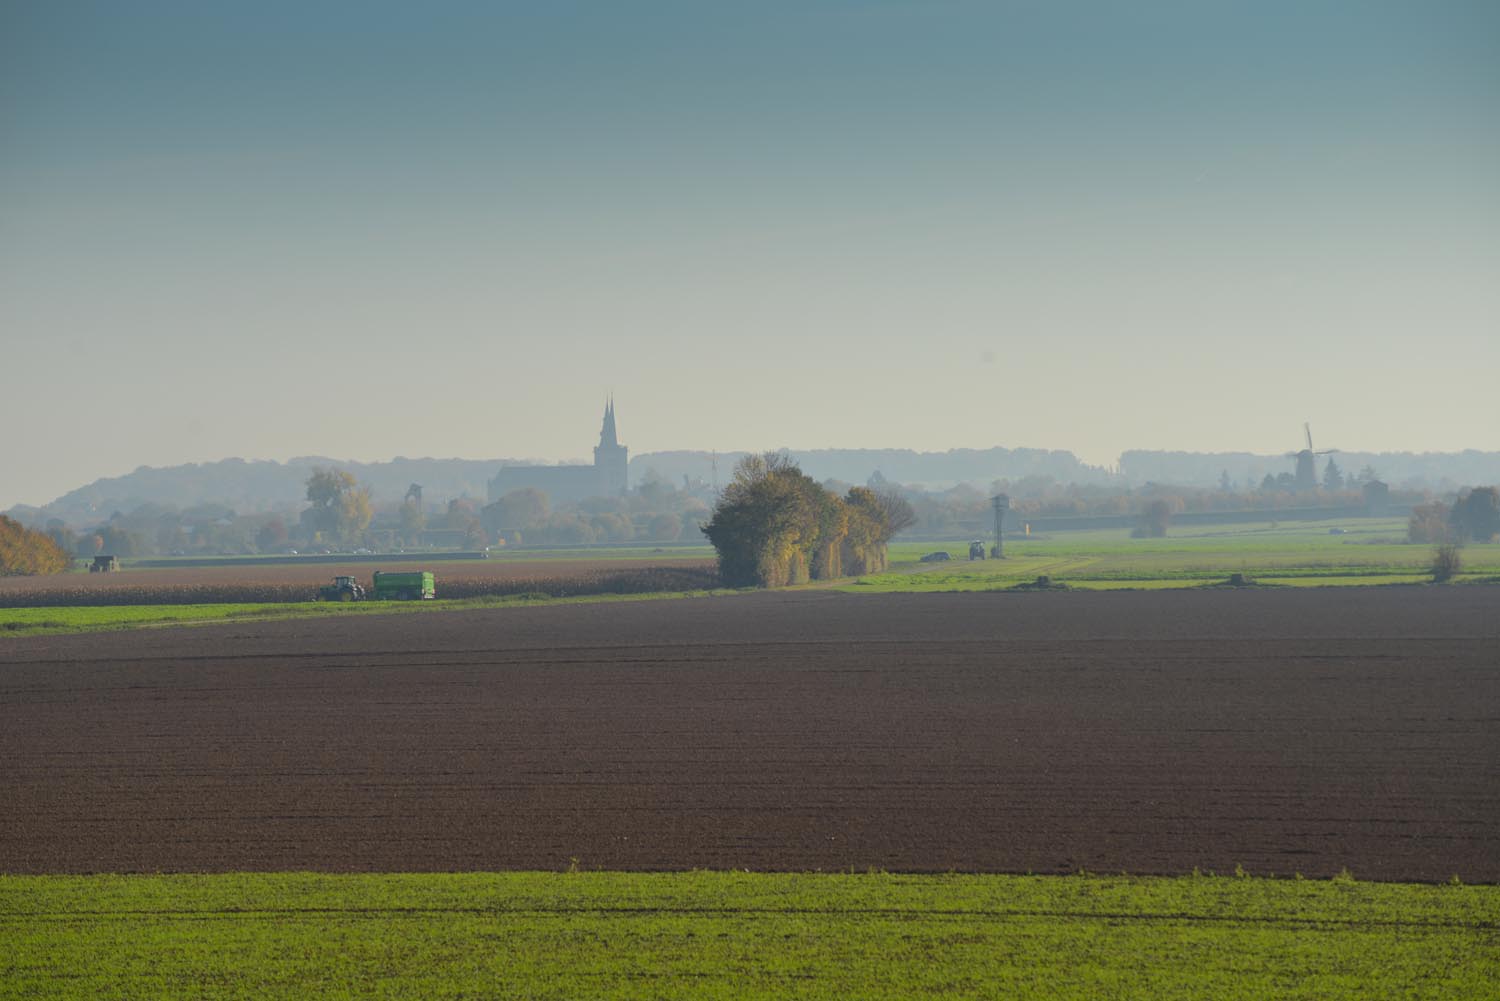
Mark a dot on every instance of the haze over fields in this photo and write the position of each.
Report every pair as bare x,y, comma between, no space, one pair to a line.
386,229
251,487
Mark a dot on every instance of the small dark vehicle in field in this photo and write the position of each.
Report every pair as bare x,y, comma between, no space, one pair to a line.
343,588
104,564
976,550
937,557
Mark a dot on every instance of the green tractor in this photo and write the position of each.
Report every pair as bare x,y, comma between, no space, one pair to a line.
342,589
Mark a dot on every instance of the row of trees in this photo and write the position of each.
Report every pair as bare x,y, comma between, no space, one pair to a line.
1333,480
1473,517
341,511
23,551
155,528
956,510
774,525
655,511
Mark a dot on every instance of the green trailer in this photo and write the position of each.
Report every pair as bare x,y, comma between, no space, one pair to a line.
403,586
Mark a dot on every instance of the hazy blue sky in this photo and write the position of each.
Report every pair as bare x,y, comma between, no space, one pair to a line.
369,229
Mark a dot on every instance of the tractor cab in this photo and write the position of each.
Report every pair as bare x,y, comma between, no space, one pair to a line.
344,588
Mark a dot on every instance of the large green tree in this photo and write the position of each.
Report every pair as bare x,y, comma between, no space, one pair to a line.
1476,514
340,508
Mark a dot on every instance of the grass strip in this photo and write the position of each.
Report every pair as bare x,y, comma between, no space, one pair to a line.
741,935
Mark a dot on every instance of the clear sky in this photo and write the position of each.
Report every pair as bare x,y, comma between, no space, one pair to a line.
372,229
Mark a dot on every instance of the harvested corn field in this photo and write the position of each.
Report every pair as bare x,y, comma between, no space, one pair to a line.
299,582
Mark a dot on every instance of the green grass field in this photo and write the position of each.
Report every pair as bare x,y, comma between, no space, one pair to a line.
741,935
1289,554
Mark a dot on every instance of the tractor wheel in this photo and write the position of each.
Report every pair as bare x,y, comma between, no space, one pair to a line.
346,595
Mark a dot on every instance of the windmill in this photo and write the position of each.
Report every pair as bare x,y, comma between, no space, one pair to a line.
1307,468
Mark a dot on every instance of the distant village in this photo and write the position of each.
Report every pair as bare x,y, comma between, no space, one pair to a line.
664,498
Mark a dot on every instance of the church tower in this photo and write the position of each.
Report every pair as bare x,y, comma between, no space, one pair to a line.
611,459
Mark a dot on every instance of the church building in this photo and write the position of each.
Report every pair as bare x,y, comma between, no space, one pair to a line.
609,476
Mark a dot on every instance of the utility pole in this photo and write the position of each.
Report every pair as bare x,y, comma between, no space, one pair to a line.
1001,503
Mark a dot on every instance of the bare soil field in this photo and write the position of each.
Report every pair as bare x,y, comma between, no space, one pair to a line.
1284,731
298,582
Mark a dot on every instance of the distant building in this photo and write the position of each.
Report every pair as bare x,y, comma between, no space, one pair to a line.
609,476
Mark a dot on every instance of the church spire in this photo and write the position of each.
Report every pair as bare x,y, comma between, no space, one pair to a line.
608,437
611,459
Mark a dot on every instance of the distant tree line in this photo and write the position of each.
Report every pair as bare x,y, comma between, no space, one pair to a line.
655,511
774,525
340,511
1440,471
1474,516
151,529
24,551
961,509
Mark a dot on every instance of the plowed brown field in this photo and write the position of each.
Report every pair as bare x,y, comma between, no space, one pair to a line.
1151,732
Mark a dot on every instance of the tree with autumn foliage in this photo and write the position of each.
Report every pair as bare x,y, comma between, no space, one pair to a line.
774,525
24,552
340,507
875,517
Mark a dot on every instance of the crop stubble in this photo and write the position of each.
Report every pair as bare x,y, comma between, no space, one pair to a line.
300,582
1143,732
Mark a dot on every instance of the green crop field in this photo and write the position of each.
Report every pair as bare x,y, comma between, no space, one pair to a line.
1288,554
741,935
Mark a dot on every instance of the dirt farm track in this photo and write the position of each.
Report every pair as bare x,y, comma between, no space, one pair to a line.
1151,732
